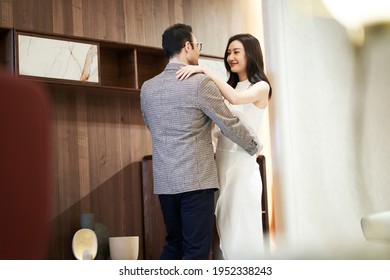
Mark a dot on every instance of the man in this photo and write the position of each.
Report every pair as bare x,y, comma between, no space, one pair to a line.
179,116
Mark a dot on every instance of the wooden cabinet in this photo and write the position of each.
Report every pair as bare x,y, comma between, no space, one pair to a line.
122,67
127,67
98,139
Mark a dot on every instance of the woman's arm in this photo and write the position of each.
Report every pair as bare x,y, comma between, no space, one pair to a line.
256,94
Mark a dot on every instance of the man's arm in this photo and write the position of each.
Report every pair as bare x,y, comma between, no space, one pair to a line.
212,104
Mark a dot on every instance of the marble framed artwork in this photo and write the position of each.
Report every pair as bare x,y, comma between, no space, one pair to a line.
216,65
57,58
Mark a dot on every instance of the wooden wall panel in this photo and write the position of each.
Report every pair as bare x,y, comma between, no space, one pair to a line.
66,194
6,13
61,23
205,16
100,140
76,17
36,15
132,21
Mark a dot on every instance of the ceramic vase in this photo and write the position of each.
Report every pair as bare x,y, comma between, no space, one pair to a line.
87,220
103,235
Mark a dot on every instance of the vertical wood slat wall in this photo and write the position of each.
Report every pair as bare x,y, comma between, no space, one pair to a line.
99,140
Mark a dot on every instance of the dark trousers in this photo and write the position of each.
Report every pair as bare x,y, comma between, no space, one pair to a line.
189,220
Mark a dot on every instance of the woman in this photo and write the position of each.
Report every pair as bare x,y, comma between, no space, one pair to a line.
238,210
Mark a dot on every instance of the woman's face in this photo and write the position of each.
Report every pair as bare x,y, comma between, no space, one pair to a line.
236,57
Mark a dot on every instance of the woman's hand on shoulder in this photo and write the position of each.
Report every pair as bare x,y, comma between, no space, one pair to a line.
188,70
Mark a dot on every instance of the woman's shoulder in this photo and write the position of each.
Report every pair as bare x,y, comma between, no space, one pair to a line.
262,89
261,84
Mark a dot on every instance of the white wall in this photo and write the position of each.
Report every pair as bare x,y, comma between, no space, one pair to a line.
330,132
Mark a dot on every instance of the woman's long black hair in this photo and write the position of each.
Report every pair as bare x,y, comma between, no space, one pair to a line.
255,62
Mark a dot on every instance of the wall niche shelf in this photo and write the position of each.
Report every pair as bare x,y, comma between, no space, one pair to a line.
120,68
7,49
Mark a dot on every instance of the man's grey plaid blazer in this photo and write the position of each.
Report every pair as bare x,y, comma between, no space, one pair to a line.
178,115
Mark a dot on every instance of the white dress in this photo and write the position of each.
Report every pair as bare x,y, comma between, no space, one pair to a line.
238,209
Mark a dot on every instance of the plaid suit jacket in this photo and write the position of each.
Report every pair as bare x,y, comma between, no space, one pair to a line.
178,115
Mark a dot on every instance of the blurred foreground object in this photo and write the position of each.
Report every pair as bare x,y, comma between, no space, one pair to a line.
25,182
356,15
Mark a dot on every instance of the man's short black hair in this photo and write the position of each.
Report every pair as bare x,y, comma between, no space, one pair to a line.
174,38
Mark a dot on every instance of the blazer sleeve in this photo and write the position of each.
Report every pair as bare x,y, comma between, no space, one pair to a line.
212,104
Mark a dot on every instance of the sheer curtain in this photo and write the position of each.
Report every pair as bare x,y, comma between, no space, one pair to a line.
329,131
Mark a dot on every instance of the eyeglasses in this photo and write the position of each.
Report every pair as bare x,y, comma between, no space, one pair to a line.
198,45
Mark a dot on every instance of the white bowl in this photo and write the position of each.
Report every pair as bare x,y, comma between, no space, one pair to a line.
124,247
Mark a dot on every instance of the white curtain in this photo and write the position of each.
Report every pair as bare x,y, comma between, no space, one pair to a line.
330,131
